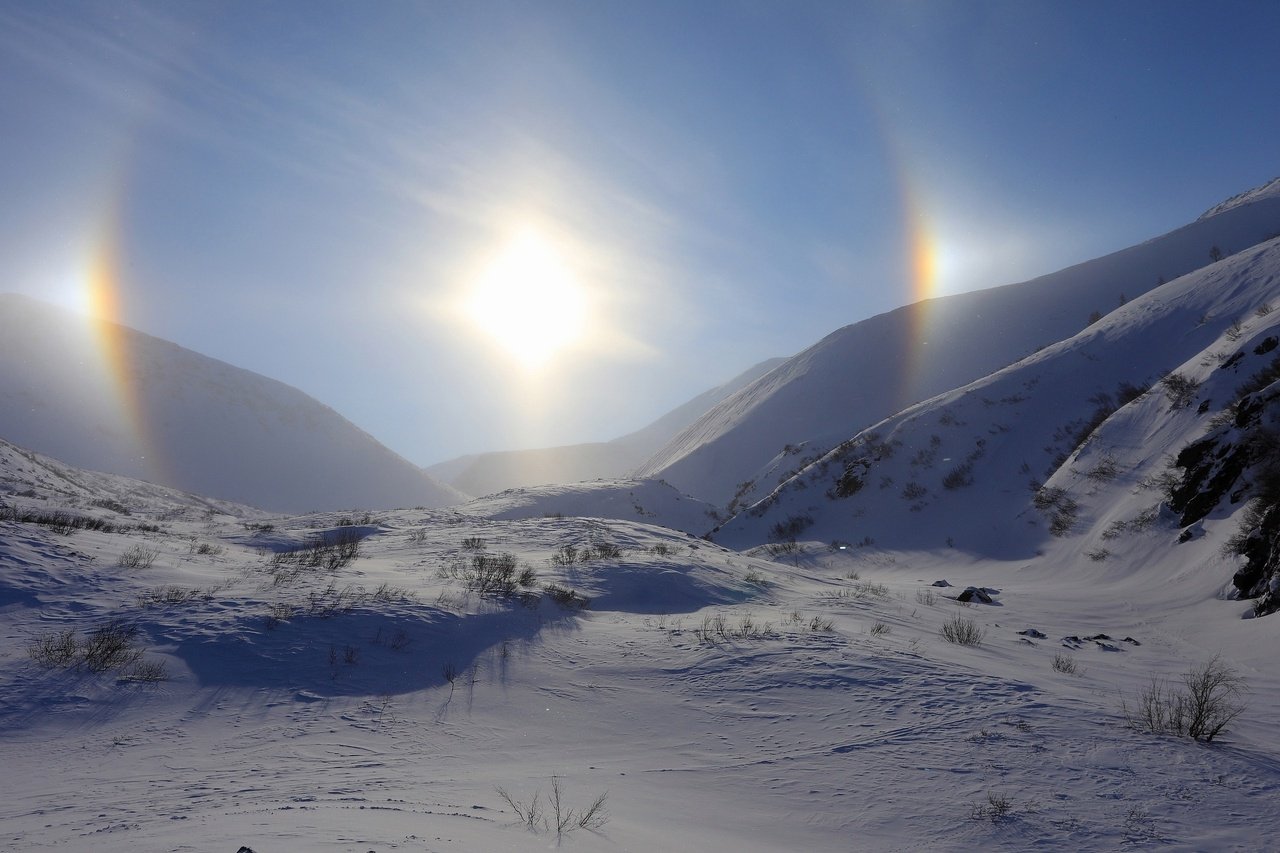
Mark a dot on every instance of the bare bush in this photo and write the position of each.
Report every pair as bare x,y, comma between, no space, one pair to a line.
110,646
601,550
962,631
998,807
497,575
556,815
147,672
566,597
1180,389
913,491
820,625
1065,664
790,528
1209,700
320,552
959,477
565,555
205,549
60,522
168,595
139,557
794,550
1059,506
58,648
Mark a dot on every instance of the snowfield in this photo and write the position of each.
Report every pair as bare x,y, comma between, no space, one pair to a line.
722,700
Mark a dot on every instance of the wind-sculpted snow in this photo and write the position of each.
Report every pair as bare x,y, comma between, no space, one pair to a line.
378,701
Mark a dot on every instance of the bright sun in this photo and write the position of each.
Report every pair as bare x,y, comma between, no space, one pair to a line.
528,300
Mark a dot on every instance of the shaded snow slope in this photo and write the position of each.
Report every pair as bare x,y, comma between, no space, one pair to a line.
1063,443
650,501
872,369
106,397
486,473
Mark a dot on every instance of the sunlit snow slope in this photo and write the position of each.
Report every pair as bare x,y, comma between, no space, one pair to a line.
867,371
1075,440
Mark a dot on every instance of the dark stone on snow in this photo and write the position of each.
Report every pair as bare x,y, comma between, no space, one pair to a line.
973,593
941,583
1032,632
1098,637
1131,641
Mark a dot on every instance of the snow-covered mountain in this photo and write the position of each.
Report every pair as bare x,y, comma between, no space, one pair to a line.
1083,443
109,398
737,451
488,473
649,501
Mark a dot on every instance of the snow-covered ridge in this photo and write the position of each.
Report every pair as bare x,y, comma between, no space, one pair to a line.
25,473
1062,442
865,372
173,416
1267,190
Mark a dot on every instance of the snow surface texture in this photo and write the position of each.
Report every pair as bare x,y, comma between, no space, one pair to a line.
723,701
863,373
147,408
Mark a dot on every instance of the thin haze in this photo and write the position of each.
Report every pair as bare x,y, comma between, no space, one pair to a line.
320,192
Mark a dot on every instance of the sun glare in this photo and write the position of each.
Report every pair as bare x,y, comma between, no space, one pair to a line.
529,301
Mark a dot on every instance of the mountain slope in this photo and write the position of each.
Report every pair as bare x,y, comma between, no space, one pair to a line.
488,473
867,371
1064,449
109,398
36,476
648,501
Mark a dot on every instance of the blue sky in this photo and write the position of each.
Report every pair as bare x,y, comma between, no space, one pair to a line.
310,190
